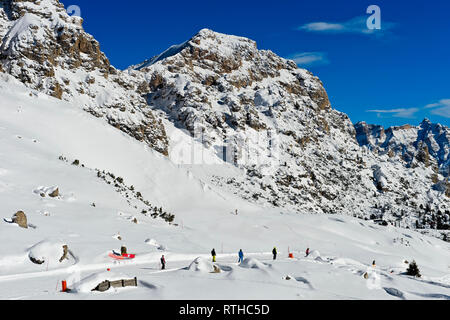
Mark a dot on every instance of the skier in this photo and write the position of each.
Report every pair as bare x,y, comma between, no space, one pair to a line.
307,252
163,263
373,264
274,251
213,253
241,256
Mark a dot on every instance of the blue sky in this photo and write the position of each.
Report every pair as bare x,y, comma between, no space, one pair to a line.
399,74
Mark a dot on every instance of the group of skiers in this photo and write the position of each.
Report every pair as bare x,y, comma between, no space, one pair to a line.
240,256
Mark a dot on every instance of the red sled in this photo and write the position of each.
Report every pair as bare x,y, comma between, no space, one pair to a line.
125,256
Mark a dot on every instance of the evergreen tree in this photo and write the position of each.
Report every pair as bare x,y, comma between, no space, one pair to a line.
413,270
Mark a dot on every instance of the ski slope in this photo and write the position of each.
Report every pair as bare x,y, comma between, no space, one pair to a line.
35,130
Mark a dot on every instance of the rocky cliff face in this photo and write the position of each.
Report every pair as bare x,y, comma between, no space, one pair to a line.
48,50
273,120
427,143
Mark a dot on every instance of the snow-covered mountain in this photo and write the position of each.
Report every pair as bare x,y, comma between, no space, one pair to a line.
427,143
211,144
274,121
268,122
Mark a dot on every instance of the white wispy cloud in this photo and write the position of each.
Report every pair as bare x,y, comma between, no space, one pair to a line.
356,25
397,113
323,26
441,108
310,58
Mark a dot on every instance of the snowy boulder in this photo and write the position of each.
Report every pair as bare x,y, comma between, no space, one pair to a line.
162,247
21,219
52,252
252,263
117,237
203,265
154,243
54,193
315,255
51,192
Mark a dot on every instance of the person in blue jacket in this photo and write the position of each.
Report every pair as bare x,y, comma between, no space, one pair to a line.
241,256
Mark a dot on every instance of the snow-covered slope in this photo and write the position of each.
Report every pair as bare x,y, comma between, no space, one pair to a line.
41,136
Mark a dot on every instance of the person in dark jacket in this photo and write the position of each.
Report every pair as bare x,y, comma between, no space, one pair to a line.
213,253
274,252
307,252
163,263
241,256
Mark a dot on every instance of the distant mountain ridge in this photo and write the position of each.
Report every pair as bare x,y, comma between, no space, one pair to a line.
427,142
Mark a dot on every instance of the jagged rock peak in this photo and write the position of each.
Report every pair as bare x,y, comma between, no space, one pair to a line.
225,81
40,35
208,40
236,57
19,7
425,122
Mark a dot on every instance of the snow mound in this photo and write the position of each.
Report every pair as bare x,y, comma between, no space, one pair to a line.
117,236
315,255
252,263
92,281
154,243
162,247
48,252
201,265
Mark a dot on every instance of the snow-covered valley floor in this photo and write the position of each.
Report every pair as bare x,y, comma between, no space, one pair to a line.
35,130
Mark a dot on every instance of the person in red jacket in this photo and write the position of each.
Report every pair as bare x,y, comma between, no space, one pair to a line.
307,252
163,263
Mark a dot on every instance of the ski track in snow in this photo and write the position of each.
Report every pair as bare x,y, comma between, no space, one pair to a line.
103,266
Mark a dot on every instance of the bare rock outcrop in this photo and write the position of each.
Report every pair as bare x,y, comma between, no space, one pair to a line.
21,219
